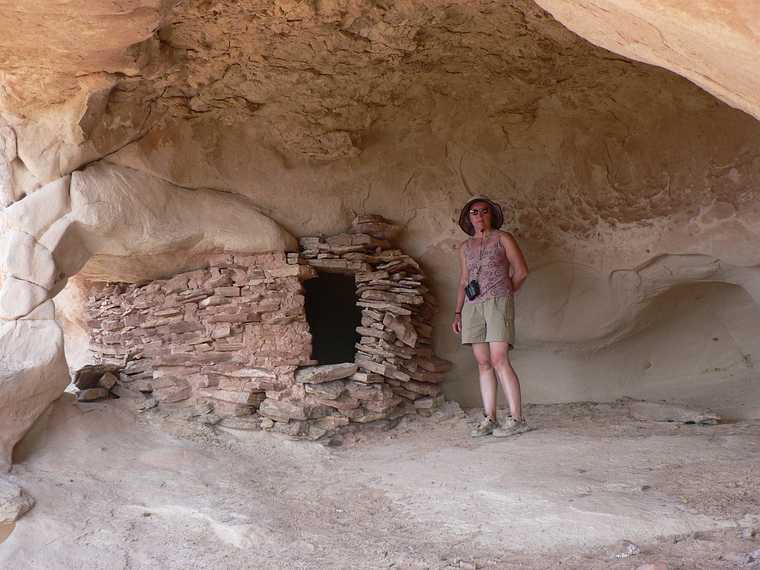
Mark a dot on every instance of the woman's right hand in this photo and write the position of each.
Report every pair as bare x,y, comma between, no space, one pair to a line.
456,326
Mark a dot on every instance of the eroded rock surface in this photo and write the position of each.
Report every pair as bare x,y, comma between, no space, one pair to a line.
714,44
53,233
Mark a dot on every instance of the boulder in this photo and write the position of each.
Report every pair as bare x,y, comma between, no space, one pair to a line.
14,502
33,373
18,298
24,258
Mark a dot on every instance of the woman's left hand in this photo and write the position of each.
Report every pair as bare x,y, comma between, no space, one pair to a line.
456,326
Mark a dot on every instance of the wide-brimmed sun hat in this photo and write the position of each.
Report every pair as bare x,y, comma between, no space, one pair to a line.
497,216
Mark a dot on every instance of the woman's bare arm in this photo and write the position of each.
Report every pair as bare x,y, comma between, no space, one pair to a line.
464,277
519,268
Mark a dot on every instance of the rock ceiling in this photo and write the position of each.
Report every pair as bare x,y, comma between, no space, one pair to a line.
327,80
313,77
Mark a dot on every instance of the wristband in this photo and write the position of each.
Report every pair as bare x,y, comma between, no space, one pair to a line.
458,313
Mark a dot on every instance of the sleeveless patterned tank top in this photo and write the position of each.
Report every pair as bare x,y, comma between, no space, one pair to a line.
487,262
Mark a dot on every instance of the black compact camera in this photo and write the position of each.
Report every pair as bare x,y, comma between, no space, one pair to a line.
472,289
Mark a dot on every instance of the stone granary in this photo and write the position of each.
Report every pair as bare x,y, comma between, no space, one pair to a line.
339,333
146,138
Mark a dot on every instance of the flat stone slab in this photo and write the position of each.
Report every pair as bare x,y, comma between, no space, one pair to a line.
92,394
327,390
283,411
325,373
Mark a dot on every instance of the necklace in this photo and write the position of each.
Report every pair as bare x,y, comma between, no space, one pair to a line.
480,256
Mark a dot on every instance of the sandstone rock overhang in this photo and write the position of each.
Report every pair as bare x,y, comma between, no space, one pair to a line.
623,180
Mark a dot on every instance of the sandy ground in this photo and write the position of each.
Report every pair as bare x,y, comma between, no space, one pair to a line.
118,490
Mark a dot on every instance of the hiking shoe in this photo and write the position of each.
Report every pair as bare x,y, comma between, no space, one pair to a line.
485,427
511,426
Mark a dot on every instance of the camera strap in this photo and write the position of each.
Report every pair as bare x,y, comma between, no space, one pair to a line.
480,259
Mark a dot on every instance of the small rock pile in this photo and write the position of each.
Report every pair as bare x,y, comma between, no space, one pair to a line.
95,381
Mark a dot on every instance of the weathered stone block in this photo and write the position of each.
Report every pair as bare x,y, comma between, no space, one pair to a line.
107,381
344,402
280,410
332,422
327,390
89,375
429,403
248,398
214,301
396,298
363,391
339,265
383,306
366,377
361,415
326,373
376,333
402,327
375,226
382,405
283,410
171,390
229,291
233,409
92,394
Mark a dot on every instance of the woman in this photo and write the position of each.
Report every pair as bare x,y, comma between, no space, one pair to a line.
492,270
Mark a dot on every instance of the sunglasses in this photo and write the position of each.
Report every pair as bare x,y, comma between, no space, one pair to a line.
482,211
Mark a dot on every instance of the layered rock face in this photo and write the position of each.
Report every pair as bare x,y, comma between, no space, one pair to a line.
192,128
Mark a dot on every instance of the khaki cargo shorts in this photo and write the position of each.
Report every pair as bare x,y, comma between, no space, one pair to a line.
490,320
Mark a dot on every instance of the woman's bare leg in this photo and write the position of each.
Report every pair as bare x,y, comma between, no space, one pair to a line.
487,378
510,383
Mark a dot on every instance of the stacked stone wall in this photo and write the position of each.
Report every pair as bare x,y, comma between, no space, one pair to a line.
226,333
233,336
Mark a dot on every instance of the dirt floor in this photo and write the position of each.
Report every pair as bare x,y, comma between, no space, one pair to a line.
117,489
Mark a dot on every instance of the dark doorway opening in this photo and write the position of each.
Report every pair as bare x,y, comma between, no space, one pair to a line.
333,316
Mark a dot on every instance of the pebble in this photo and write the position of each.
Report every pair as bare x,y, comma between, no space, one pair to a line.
625,549
148,404
748,533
